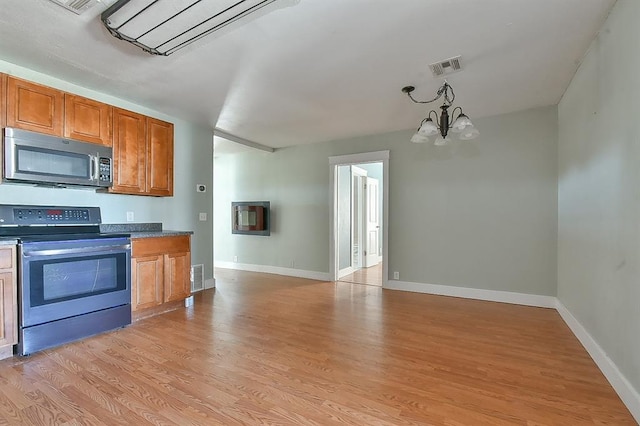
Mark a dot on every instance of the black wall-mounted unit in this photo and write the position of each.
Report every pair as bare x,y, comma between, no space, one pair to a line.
251,218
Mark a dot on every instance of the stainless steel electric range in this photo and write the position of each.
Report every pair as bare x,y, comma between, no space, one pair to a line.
73,281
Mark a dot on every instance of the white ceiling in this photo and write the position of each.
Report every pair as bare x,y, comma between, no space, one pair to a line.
321,69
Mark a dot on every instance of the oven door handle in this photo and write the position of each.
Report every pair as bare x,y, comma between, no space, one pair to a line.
59,252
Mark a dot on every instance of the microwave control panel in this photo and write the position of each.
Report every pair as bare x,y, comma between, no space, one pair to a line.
104,170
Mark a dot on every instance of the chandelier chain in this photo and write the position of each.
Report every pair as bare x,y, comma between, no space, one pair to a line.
442,91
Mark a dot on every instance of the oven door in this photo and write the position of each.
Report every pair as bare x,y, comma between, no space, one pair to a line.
62,279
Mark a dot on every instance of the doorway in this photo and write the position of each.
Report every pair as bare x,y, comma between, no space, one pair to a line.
359,223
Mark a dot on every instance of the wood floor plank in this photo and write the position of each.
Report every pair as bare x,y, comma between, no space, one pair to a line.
267,349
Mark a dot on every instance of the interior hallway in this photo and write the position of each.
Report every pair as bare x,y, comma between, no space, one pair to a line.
368,276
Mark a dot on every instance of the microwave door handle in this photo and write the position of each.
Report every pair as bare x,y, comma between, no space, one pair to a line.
94,167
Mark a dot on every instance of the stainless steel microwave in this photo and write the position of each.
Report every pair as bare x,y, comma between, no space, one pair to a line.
32,157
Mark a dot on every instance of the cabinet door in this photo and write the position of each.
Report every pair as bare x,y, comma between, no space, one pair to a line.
3,101
176,275
34,107
87,120
128,152
159,157
147,282
8,310
8,298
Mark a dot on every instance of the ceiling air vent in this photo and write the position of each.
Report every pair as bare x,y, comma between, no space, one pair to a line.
76,6
448,66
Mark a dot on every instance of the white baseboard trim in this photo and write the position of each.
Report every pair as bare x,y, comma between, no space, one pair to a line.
629,396
209,283
346,271
475,293
627,393
267,269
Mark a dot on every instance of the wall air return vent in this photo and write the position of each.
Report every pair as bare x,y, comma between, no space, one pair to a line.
446,67
76,6
197,277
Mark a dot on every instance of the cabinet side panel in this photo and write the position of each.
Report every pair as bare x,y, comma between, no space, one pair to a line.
3,102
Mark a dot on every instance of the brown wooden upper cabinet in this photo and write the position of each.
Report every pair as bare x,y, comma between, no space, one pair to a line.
142,146
34,107
129,153
87,120
3,101
143,154
159,157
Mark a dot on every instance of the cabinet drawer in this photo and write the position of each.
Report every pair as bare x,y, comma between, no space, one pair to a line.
6,258
160,245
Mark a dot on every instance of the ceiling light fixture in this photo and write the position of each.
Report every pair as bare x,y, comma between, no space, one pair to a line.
162,27
460,124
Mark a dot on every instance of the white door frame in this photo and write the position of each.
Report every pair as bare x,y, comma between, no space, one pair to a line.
354,159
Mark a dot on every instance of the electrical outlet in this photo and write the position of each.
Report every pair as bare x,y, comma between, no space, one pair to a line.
130,217
235,258
396,275
203,217
293,263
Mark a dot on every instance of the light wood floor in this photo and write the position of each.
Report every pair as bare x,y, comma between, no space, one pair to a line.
370,276
266,349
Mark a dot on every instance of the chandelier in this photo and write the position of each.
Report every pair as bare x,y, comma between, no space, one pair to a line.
459,124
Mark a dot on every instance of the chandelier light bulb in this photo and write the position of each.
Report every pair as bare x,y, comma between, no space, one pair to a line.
428,128
469,133
440,141
419,138
461,123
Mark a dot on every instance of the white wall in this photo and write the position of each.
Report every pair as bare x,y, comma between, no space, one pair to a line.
598,192
480,215
193,151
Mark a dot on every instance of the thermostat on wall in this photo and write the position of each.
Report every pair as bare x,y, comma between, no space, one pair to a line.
201,187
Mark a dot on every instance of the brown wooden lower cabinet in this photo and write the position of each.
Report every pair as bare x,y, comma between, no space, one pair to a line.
160,274
8,301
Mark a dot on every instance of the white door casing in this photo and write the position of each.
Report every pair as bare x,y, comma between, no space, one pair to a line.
351,159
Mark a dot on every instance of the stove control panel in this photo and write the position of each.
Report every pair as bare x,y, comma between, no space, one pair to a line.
48,215
51,215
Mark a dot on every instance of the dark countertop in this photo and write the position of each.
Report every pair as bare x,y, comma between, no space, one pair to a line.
8,241
141,230
150,234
